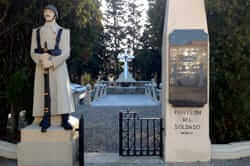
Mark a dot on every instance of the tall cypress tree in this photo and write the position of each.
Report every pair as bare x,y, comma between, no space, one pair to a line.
114,20
152,37
134,23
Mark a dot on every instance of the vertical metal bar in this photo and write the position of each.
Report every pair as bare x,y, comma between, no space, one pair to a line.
120,134
147,138
154,136
128,152
134,146
141,136
161,141
81,142
134,134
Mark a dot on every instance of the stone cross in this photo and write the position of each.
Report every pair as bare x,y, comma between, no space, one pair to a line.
126,57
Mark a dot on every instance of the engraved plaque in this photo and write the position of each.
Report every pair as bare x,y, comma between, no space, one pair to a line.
188,68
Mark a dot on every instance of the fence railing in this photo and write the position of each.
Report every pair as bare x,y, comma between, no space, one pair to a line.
139,136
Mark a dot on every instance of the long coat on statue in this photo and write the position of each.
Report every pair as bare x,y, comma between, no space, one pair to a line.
60,89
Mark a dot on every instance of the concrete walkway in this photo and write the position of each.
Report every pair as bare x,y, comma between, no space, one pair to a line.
112,159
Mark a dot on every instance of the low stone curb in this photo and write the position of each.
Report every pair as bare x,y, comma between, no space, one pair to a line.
231,151
8,150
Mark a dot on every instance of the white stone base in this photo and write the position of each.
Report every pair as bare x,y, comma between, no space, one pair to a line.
187,135
8,150
56,147
235,150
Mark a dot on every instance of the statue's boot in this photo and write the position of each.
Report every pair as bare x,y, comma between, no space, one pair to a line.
45,123
65,123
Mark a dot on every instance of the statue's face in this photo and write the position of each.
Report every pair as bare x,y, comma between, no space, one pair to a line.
49,15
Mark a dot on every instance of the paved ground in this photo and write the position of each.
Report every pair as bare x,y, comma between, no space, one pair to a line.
103,122
125,100
5,162
112,159
101,125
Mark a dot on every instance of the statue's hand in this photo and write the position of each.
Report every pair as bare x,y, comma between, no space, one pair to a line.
47,64
44,57
44,60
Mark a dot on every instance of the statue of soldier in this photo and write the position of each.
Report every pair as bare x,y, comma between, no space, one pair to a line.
50,48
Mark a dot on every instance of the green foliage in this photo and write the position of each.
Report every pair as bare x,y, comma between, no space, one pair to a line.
86,79
134,24
152,36
16,87
147,64
114,20
229,28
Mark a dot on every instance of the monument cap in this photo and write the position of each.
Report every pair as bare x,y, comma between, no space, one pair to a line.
53,8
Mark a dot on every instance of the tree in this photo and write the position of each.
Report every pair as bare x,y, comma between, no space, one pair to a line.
149,57
147,64
115,32
134,24
152,37
229,29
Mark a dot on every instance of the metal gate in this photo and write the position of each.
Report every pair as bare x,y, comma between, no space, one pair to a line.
139,136
81,142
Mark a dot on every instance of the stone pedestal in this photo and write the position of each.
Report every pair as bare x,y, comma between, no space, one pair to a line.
56,147
187,135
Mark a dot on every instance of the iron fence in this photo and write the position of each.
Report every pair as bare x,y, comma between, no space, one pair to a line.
139,136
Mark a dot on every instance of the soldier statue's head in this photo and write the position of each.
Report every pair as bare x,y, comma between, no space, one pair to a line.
50,13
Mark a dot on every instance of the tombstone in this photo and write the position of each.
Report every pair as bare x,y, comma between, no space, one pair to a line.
22,122
105,90
10,128
97,89
88,97
147,91
185,73
154,87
